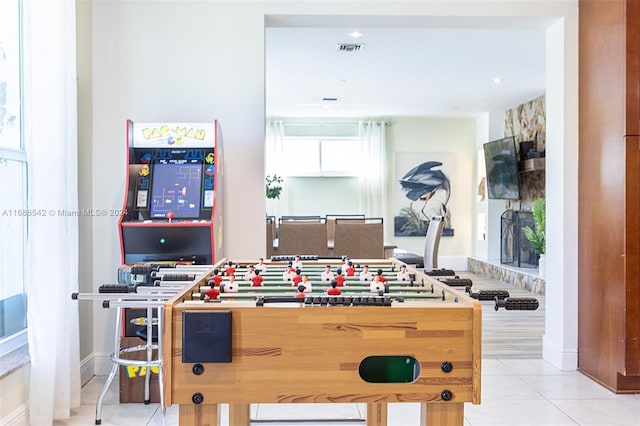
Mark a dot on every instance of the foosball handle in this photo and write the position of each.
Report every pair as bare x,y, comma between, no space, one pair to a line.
488,294
517,304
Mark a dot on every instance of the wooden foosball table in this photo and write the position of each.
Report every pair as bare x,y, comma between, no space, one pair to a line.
416,343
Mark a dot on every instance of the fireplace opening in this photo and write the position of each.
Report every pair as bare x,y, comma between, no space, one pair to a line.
515,249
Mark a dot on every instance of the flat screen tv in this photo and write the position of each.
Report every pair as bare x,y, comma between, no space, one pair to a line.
503,178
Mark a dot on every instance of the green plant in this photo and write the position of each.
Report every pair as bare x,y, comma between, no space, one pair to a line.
273,186
537,237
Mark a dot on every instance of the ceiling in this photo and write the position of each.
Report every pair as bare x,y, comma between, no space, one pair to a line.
445,70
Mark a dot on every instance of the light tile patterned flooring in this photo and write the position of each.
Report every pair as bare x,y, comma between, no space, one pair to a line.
518,387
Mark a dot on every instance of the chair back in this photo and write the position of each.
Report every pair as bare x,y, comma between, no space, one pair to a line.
432,241
359,238
303,237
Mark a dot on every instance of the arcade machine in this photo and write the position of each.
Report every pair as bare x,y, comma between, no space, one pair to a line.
172,214
173,204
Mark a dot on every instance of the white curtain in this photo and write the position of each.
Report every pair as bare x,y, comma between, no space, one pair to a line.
373,194
274,148
274,151
51,144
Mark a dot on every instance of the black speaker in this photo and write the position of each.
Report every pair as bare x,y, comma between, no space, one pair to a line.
525,146
206,336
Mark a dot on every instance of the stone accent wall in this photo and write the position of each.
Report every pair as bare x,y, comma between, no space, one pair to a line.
527,122
531,282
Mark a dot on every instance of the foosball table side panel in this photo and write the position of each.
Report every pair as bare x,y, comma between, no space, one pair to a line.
313,354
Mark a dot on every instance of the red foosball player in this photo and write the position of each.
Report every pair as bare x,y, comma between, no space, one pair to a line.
300,293
334,291
340,279
350,271
215,279
212,293
381,277
230,269
297,278
257,280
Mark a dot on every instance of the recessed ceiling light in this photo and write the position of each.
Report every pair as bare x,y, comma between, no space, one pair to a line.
497,80
355,34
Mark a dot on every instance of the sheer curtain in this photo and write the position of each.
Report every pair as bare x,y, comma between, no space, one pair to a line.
373,194
273,159
51,141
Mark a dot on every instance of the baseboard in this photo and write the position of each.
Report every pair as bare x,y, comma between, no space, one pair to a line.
18,417
87,369
102,364
562,359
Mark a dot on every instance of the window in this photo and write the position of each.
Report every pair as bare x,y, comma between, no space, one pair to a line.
309,156
13,183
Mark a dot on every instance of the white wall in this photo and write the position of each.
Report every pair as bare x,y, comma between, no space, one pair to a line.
195,61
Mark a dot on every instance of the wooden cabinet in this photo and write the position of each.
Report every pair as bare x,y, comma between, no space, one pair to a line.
609,188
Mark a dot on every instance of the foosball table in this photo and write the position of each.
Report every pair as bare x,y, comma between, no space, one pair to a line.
419,341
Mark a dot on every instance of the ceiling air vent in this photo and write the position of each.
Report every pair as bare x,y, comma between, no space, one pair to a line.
350,47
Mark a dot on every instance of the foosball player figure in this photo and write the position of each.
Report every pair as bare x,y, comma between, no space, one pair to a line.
340,279
306,283
229,286
350,271
377,286
288,274
257,280
230,270
261,265
346,262
251,272
365,275
327,275
215,279
334,290
297,262
300,293
212,293
381,277
297,278
403,275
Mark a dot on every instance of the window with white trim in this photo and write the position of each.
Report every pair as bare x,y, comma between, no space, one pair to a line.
13,183
328,156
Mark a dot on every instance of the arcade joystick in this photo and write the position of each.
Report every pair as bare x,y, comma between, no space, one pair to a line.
170,216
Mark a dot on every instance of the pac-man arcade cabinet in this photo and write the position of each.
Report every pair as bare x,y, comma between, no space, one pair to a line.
173,203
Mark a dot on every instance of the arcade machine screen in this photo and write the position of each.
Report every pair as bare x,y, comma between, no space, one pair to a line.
176,188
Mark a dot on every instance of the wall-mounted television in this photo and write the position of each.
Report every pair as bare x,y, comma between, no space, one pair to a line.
503,177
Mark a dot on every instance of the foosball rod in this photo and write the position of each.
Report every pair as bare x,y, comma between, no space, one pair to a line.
517,304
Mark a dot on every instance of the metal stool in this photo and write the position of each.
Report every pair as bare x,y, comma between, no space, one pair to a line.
150,298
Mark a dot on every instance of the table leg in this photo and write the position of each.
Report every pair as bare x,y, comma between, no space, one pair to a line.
442,413
199,415
239,415
377,414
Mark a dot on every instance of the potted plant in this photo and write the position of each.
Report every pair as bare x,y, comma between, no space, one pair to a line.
273,186
537,236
